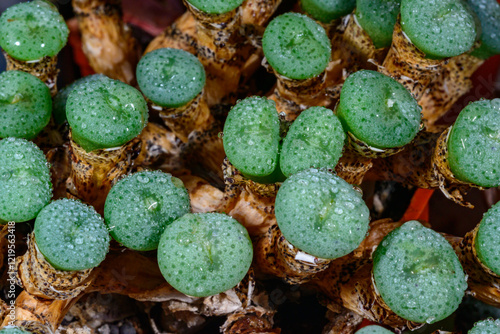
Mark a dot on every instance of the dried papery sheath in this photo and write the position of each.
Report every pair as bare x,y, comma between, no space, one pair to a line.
180,35
258,12
94,173
249,202
160,149
447,88
32,34
26,326
408,65
107,41
352,50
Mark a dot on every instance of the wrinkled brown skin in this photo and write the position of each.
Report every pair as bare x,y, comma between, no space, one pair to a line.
423,163
346,322
352,50
251,320
483,284
447,88
223,51
94,173
160,149
294,96
106,41
258,12
409,66
250,203
45,69
197,129
203,196
274,255
180,35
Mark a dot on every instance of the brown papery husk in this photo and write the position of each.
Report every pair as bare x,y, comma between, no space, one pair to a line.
294,96
197,129
44,69
408,65
39,278
483,283
106,40
180,35
160,149
346,322
274,255
94,173
258,12
30,326
249,202
447,88
424,164
352,50
203,196
223,50
352,167
253,319
193,116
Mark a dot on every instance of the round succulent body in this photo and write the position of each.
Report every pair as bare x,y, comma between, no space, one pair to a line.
32,30
377,18
373,329
215,6
474,144
140,206
488,12
315,139
61,98
13,330
204,254
25,105
25,182
488,326
321,214
439,28
487,242
296,46
252,138
373,105
105,113
71,235
417,274
328,10
170,77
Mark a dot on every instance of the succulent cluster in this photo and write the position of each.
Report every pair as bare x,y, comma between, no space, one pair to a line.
99,180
